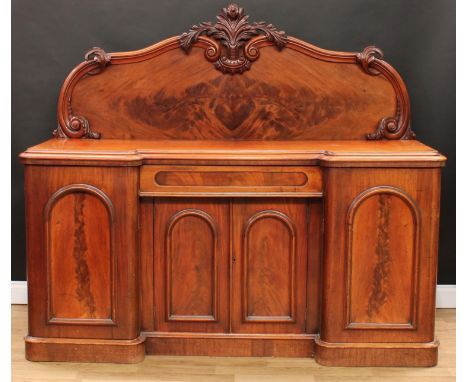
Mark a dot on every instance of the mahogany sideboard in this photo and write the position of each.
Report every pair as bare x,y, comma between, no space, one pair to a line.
233,191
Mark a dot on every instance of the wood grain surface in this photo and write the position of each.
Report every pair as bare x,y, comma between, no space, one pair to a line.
82,250
267,181
384,226
269,269
325,153
313,101
191,261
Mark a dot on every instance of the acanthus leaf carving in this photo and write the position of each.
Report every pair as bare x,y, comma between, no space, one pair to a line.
234,33
367,57
99,56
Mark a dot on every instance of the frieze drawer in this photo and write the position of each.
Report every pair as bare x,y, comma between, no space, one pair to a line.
230,181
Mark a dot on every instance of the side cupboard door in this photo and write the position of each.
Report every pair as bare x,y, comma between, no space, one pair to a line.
82,251
191,265
269,262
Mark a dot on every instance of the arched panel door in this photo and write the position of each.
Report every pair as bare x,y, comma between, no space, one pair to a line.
269,266
79,245
382,260
191,265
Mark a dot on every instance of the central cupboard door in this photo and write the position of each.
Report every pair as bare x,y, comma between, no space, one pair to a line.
230,265
191,260
269,242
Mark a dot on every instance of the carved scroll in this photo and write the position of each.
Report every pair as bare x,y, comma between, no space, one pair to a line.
71,125
392,127
77,126
234,33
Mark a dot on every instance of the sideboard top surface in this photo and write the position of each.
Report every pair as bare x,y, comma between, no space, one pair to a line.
136,152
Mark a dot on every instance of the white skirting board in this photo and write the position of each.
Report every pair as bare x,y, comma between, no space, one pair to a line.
19,292
445,295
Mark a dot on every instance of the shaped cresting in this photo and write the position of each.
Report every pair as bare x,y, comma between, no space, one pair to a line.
310,93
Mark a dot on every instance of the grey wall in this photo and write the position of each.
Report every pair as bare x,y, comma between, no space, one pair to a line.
49,38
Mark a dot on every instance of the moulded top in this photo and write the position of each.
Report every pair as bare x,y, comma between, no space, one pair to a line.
323,152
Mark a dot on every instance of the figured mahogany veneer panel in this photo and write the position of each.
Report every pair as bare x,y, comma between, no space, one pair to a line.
269,269
267,233
80,258
191,250
285,95
230,180
383,234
